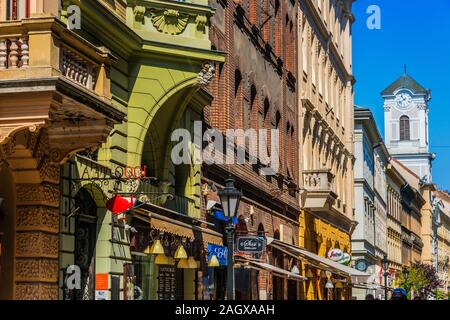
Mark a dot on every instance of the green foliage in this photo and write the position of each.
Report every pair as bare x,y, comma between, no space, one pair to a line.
422,279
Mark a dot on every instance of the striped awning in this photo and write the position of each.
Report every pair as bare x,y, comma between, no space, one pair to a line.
244,262
179,228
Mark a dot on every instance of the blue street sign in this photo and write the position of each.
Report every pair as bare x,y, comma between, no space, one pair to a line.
221,253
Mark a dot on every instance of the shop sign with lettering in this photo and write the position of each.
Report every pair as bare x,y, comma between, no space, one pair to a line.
250,244
220,252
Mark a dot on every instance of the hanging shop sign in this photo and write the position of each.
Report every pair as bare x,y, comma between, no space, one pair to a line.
335,255
346,259
220,252
119,204
250,244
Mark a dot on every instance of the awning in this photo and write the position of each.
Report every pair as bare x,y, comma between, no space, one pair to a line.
318,261
169,225
258,265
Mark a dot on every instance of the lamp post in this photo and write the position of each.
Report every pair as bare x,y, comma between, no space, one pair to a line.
230,197
405,273
385,266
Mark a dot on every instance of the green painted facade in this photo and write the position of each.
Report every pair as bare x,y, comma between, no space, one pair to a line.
161,47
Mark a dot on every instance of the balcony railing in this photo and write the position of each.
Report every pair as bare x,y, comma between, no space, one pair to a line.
318,180
182,205
43,47
319,193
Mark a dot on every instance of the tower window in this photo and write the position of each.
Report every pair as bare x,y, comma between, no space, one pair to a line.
405,128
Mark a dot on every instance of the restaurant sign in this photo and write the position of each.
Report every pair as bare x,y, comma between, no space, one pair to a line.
250,244
220,252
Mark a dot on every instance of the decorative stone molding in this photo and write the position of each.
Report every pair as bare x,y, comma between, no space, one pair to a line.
206,75
139,13
169,21
42,270
37,244
201,21
33,291
422,106
37,218
43,194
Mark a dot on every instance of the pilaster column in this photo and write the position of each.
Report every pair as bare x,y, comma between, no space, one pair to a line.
35,275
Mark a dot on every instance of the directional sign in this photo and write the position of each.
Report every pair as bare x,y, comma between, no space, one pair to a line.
250,244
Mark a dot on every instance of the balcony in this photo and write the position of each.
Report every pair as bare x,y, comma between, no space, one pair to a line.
319,195
51,77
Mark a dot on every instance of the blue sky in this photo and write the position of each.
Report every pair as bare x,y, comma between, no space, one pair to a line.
415,33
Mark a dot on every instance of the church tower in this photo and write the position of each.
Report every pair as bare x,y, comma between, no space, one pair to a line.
406,124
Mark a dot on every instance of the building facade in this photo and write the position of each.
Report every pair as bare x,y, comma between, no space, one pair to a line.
99,138
442,201
255,91
326,128
369,241
395,182
411,217
366,137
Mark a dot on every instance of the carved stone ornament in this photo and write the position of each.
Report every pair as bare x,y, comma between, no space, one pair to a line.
201,22
139,13
170,21
422,106
206,75
388,107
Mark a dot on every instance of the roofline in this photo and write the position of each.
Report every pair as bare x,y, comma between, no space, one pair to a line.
405,167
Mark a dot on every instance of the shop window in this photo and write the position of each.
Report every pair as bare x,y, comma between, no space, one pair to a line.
246,287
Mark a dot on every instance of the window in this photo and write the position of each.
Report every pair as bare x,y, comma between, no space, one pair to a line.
15,9
404,128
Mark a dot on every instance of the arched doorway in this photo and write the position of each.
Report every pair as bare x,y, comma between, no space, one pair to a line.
85,241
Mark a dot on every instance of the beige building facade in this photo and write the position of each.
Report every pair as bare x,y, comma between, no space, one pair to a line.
326,126
443,238
395,184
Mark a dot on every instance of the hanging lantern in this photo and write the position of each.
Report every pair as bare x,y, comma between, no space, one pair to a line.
180,253
162,259
183,264
339,285
119,204
155,248
214,262
295,270
329,285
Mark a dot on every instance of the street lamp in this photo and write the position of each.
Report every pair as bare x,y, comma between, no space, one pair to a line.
385,266
230,197
405,272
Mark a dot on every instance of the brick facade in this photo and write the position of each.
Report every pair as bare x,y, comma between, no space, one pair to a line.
255,88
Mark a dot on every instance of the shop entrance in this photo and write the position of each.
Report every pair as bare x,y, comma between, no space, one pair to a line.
85,240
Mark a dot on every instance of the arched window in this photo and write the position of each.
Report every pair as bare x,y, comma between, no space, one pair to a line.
237,81
404,128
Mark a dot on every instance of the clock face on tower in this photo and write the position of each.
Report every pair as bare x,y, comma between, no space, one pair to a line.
403,100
